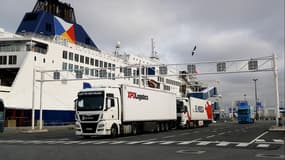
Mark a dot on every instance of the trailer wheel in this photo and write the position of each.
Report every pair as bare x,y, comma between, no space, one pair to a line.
157,127
114,131
166,126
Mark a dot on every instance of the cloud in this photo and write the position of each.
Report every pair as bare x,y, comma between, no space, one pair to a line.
221,29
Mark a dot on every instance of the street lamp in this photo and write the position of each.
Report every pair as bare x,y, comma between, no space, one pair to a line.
256,111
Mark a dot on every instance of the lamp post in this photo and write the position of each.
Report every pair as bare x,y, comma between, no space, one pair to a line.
255,91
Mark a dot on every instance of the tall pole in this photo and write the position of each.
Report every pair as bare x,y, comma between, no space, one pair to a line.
276,89
41,101
33,100
255,91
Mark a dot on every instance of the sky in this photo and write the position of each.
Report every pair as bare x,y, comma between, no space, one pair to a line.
221,30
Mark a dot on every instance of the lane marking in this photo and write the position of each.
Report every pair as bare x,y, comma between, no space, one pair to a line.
86,142
223,144
135,142
187,142
203,143
260,140
70,142
101,142
279,140
153,142
117,142
211,136
263,145
167,142
242,145
222,133
264,133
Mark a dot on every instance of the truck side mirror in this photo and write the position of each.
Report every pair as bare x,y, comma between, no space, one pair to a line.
75,103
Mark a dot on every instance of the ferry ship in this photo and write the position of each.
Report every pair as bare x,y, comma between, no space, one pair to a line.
49,38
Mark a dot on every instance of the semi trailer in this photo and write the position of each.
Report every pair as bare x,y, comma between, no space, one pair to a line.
193,112
123,109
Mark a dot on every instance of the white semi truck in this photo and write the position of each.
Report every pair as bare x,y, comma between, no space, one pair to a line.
193,112
123,110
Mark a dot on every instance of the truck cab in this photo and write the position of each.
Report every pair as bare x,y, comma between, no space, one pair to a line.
245,113
183,112
97,112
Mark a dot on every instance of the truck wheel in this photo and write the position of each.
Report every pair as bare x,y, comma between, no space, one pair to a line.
134,130
114,131
166,126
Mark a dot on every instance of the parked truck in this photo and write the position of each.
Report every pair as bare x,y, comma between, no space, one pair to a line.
193,112
123,110
245,113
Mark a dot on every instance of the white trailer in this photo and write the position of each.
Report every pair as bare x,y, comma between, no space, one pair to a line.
193,112
123,110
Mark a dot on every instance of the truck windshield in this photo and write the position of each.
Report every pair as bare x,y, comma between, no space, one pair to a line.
243,111
179,107
90,103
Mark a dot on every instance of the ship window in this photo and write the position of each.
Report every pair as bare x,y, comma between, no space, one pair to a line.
3,60
109,66
76,57
7,76
101,64
105,64
70,56
64,66
113,76
35,58
96,62
64,54
44,60
92,72
70,67
86,71
103,73
113,67
76,67
86,60
81,59
92,61
96,73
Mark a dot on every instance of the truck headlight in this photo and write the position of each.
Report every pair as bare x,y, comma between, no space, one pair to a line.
101,125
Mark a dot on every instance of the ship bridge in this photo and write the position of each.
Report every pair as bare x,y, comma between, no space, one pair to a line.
55,19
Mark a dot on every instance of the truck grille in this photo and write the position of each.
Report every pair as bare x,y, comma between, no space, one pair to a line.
89,127
89,117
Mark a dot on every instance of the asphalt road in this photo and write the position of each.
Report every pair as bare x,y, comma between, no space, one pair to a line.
219,141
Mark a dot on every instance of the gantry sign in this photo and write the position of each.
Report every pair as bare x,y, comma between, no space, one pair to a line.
142,73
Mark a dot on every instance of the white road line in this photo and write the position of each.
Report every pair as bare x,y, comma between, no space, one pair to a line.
86,142
167,142
211,136
263,145
203,143
135,142
118,142
242,145
186,142
101,142
153,142
169,136
71,142
279,140
260,140
223,144
221,133
258,137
